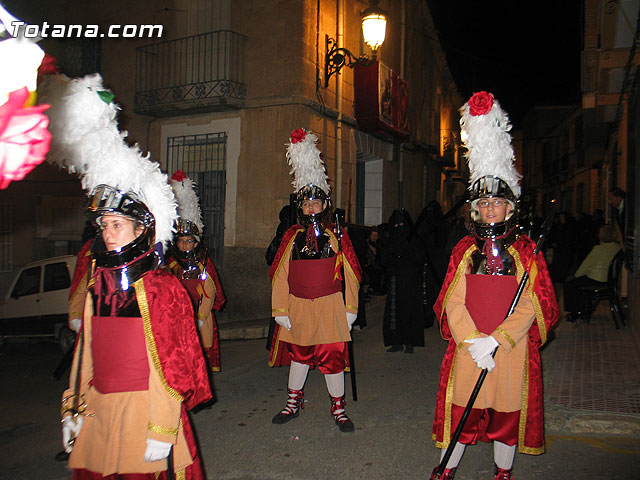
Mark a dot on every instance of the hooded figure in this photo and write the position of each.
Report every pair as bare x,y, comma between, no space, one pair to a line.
402,259
433,231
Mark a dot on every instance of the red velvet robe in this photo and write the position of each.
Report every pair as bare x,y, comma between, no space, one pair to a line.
279,356
78,288
531,428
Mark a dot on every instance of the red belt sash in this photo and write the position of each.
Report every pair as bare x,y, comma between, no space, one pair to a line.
119,354
191,286
313,278
488,298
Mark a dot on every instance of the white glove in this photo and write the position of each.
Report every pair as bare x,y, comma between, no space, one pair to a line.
74,324
481,347
156,450
486,362
284,322
351,317
70,430
200,323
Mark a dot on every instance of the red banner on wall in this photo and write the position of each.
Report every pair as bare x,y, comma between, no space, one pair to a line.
381,101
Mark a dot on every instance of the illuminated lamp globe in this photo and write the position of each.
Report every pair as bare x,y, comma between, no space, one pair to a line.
374,26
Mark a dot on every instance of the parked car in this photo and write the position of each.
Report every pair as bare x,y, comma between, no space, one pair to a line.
36,304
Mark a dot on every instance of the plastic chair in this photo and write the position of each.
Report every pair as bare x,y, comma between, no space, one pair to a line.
591,296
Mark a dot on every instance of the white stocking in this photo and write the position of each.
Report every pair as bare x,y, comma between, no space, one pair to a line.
456,455
297,375
503,454
335,383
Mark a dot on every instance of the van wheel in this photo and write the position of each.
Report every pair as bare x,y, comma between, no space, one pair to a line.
66,339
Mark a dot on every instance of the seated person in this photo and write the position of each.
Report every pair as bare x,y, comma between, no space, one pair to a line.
592,272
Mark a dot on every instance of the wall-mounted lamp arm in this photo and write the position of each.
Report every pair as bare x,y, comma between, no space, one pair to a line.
338,57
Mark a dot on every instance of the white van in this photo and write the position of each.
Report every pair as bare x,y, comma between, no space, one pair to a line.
36,304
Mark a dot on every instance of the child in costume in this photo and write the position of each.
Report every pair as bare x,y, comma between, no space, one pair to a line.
482,278
188,260
313,316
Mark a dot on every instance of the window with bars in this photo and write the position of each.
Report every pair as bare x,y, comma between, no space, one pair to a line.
6,239
81,56
203,158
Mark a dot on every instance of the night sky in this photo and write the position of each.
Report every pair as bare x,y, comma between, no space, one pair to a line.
526,53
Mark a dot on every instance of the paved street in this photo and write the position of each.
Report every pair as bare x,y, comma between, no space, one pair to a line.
393,417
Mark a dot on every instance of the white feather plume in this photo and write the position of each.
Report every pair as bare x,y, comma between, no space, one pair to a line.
87,141
79,119
307,167
188,202
488,143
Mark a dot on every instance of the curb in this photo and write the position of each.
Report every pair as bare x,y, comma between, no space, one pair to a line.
561,420
244,330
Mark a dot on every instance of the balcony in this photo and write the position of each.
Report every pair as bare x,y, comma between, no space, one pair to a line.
201,73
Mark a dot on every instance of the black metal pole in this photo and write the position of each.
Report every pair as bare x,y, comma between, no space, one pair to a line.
352,365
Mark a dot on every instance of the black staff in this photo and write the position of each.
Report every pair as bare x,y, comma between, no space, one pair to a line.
476,390
352,365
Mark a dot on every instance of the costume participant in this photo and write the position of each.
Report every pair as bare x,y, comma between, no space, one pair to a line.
313,318
189,262
481,282
138,364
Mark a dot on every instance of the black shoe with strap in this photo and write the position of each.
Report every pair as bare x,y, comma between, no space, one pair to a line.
343,422
295,401
395,348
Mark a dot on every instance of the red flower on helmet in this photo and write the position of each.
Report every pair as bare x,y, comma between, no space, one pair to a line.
298,135
48,66
178,176
480,103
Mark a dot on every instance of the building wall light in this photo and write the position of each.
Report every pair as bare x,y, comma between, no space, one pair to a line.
374,26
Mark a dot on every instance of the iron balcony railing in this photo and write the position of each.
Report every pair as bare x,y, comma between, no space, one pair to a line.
199,73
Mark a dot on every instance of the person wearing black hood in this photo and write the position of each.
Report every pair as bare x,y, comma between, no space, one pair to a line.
402,260
432,231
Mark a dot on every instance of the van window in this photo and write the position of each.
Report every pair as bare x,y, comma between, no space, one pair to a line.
28,283
56,277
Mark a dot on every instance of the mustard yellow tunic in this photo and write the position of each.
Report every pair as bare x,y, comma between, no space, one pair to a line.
314,321
116,425
502,389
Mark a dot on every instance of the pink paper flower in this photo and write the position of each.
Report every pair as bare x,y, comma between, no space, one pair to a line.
24,138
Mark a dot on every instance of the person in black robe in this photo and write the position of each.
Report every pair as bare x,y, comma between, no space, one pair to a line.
433,231
402,260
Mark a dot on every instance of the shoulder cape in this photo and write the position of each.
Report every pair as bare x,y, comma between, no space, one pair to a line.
531,430
172,338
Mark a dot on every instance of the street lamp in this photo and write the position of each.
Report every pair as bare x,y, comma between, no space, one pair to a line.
374,25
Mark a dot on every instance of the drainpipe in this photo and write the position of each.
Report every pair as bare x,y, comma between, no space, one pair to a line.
338,151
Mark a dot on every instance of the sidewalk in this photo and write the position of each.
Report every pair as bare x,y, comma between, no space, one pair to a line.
592,377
